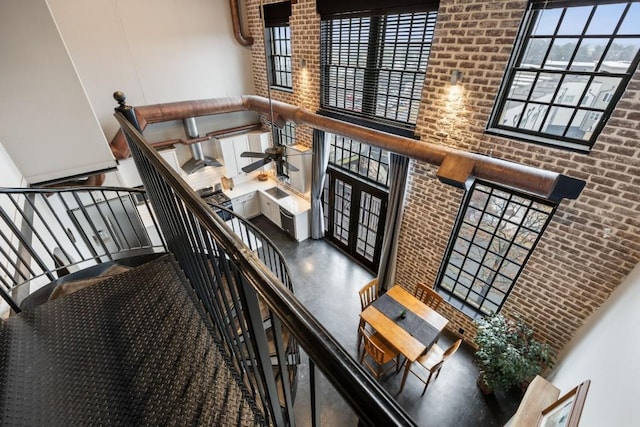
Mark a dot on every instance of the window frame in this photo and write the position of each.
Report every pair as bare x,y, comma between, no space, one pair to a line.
274,72
524,35
373,70
449,295
332,139
286,135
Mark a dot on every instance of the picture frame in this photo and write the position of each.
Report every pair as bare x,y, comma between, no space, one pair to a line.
566,411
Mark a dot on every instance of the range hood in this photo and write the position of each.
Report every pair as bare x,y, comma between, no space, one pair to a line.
198,159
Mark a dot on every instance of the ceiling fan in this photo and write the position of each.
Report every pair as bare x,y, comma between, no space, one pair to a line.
277,152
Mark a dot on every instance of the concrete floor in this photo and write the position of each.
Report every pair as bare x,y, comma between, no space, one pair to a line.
327,282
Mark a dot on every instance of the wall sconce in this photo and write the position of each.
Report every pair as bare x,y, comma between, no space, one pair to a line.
303,63
456,76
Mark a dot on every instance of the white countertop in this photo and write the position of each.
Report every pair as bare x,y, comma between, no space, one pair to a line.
294,204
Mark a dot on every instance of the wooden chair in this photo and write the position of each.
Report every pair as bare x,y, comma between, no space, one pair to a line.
379,352
432,361
368,294
428,296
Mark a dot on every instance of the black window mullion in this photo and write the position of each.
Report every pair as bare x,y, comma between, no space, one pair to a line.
506,252
386,105
473,301
573,116
368,158
471,243
575,52
279,47
371,71
457,284
565,130
379,164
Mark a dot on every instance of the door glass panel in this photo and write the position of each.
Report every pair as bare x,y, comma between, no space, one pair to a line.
369,216
325,203
356,214
342,211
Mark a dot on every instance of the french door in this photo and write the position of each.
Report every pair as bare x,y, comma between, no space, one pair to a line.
355,213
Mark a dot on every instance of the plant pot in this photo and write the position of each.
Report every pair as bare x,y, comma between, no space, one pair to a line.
482,385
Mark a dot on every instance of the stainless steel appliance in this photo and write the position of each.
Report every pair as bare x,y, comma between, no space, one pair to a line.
215,198
110,226
287,222
198,159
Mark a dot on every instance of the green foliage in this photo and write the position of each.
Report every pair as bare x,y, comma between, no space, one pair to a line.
508,355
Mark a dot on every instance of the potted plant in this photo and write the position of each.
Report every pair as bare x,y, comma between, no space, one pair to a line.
508,355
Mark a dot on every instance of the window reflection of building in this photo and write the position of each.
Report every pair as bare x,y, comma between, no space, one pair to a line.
567,73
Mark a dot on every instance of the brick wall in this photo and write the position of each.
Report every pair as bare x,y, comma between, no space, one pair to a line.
305,45
591,244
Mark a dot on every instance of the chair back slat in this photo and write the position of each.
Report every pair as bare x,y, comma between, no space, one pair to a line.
375,352
368,293
428,296
451,350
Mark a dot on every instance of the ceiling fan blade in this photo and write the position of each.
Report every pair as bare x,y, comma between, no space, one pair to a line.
253,154
255,165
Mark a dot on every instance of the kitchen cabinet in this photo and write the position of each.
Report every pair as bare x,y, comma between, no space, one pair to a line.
300,156
270,209
258,141
232,147
301,221
247,205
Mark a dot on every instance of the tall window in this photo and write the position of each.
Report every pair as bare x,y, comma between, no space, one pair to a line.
494,235
278,44
286,135
373,59
280,56
363,160
373,67
568,72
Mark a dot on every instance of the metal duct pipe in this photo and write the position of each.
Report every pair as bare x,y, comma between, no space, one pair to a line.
191,127
198,159
244,40
455,165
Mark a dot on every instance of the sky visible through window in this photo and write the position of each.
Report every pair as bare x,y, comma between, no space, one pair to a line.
572,67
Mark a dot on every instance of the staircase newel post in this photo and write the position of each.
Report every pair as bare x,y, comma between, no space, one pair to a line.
127,111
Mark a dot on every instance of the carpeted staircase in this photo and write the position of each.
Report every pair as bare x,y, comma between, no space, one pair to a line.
132,349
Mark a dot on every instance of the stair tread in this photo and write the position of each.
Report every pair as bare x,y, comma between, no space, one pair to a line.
113,337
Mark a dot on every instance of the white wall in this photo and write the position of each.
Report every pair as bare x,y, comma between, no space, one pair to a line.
9,177
46,122
606,351
155,51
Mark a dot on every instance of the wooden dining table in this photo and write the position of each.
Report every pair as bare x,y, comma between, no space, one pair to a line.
389,329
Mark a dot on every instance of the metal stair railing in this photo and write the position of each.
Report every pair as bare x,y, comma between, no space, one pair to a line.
46,233
229,277
257,242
